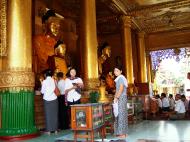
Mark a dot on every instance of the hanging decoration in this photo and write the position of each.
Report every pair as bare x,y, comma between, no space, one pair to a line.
158,56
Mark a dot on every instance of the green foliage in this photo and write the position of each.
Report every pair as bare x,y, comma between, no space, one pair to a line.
94,96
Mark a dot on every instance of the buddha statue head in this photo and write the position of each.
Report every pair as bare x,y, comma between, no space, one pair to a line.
60,48
106,50
52,23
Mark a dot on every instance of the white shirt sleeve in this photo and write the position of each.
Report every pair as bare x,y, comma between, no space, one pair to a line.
177,107
43,87
61,86
48,87
72,94
79,80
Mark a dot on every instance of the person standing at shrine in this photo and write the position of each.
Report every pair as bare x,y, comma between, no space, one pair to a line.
50,102
73,91
63,109
121,121
73,86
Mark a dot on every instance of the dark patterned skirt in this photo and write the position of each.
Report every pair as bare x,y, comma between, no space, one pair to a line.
51,115
121,121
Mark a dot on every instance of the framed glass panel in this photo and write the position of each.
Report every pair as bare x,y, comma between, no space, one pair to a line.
81,118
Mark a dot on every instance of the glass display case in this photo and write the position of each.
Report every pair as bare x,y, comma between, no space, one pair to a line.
108,117
108,112
87,116
130,107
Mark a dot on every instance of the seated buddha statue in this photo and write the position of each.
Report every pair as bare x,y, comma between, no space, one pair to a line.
57,62
43,44
104,67
105,54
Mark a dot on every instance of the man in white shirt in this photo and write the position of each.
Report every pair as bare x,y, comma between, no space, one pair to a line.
172,102
179,112
165,102
159,101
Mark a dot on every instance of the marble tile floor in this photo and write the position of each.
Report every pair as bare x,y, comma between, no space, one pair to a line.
145,131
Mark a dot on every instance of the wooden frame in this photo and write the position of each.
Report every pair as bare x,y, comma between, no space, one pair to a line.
84,114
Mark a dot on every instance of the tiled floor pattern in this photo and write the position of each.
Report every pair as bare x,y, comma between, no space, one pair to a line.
145,131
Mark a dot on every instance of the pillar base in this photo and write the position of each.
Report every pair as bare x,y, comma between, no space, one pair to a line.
20,137
17,113
9,132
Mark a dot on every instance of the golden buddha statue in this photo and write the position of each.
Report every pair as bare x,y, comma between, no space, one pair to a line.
103,75
60,49
105,53
102,90
44,43
57,62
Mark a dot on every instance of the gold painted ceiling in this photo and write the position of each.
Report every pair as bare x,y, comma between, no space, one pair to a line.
148,15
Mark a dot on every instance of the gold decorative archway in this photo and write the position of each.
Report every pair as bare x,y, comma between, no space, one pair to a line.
3,28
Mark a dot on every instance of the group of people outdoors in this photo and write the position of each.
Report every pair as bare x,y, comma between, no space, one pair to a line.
175,108
57,108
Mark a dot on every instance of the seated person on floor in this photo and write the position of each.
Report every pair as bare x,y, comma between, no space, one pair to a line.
165,102
172,102
154,108
185,101
159,103
179,111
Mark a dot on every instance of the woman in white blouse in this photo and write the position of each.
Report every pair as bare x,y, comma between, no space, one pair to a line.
50,102
73,86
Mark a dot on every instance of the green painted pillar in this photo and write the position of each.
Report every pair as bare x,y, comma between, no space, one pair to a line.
17,112
17,78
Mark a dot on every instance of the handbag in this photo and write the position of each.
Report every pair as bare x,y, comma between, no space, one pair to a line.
56,91
115,109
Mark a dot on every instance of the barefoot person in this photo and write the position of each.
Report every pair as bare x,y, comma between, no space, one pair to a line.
121,121
50,102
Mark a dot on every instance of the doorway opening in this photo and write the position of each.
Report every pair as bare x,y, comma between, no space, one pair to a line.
169,70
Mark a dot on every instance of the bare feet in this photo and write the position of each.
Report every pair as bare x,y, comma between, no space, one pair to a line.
122,136
56,132
48,133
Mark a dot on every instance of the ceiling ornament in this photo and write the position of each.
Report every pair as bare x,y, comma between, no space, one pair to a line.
177,54
154,16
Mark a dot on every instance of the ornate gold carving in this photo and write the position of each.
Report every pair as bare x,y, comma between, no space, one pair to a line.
154,16
173,4
126,21
141,34
3,28
163,17
15,80
147,53
17,89
91,84
15,69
